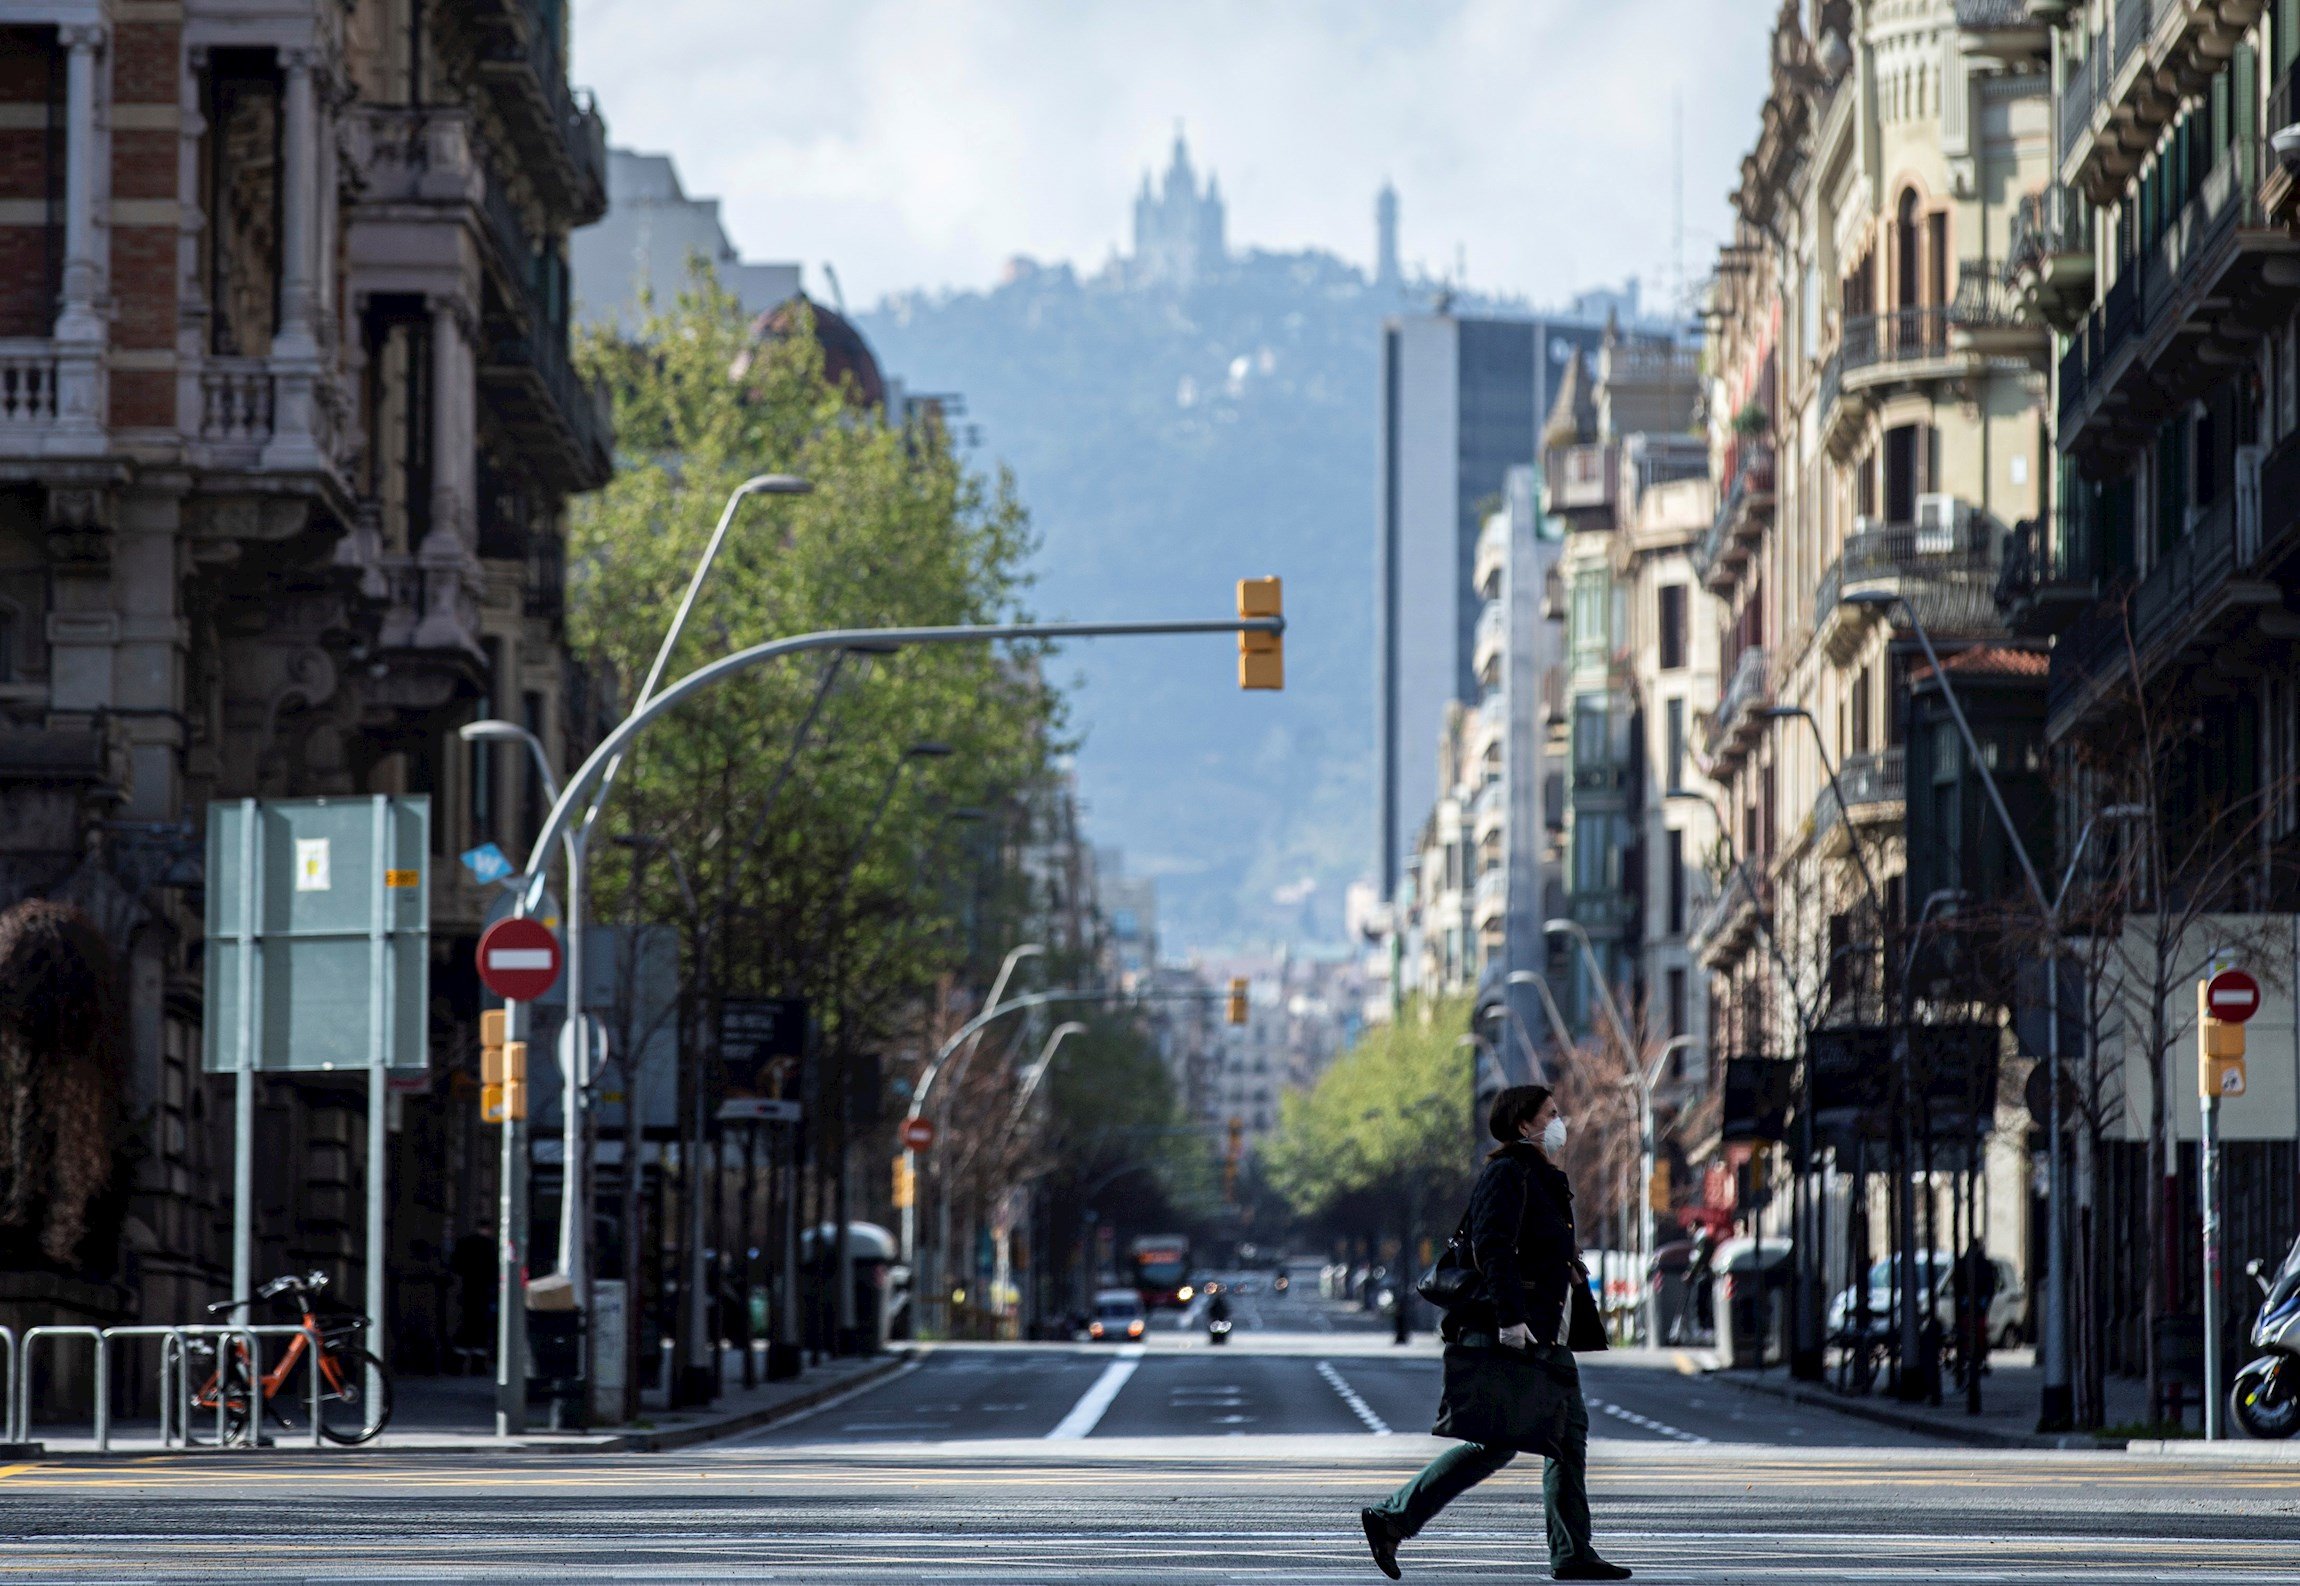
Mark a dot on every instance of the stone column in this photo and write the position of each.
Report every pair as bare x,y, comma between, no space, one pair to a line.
80,328
297,422
448,555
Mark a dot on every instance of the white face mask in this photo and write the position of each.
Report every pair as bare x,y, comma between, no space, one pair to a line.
1553,1137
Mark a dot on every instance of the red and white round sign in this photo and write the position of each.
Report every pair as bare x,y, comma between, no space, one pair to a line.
2232,996
518,959
918,1133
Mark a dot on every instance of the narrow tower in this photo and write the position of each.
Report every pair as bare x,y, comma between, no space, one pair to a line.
1386,237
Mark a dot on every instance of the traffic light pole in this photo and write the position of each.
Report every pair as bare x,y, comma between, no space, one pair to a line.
510,1246
612,748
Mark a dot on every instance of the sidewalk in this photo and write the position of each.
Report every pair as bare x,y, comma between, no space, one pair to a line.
2011,1396
456,1415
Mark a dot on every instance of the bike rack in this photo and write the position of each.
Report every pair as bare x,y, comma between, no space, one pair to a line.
252,1332
175,1408
21,1398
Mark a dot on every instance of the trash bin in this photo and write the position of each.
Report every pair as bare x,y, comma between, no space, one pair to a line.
1752,1300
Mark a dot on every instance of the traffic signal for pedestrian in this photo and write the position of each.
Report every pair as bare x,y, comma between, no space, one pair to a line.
1261,656
1237,1009
502,1070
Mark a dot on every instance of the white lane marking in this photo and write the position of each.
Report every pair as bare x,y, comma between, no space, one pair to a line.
1659,1428
1087,1413
1365,1412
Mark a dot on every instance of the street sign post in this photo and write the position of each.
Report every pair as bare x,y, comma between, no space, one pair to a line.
519,959
2223,1005
918,1134
318,960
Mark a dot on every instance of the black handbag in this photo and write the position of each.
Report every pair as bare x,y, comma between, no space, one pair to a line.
1584,1328
1508,1398
1453,1277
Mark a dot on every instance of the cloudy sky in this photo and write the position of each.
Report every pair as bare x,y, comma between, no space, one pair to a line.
920,143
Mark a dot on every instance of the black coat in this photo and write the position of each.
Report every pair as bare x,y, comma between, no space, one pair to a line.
1521,1234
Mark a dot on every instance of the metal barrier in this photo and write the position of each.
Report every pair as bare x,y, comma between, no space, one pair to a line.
21,1397
175,1378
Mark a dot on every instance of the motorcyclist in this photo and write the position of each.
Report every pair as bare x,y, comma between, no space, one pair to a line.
1217,1304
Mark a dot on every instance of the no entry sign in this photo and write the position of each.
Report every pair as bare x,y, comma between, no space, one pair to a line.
918,1133
2233,996
518,959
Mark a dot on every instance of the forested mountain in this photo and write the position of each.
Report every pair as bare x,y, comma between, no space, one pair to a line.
1169,440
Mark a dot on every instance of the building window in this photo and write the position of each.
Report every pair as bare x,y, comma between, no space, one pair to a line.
1674,746
1676,884
1672,627
1676,1011
240,178
1860,711
484,792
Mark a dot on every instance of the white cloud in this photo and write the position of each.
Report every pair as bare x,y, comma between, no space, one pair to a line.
922,142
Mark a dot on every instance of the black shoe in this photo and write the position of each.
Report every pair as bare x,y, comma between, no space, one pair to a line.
1382,1540
1590,1568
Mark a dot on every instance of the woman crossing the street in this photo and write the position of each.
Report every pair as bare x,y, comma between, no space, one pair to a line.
1521,1299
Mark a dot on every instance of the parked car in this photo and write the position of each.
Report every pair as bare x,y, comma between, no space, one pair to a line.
1118,1313
2007,1305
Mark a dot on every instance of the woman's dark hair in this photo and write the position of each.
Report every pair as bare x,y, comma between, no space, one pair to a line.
1513,1109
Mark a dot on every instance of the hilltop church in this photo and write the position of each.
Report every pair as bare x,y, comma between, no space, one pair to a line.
1177,229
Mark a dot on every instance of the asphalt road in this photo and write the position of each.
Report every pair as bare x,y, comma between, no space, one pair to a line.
1189,1510
1166,1461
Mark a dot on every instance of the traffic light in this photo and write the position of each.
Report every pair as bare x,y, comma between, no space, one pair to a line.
502,1070
905,1181
2219,1050
1261,656
1237,1009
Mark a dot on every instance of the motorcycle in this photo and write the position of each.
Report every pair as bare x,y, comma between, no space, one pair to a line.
1217,1332
2266,1397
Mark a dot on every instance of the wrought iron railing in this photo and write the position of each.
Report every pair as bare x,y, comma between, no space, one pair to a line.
1865,779
1906,552
1748,687
1982,15
1985,299
1902,335
2046,225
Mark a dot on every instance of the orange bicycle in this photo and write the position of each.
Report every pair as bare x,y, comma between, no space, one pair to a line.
347,1413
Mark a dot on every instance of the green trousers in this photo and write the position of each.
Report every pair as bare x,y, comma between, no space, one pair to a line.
1564,1487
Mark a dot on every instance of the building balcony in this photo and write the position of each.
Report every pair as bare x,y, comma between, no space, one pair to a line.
2216,591
2047,581
1736,726
2138,73
1727,925
560,138
2049,261
532,388
1583,479
1602,914
1944,564
1553,696
1489,810
1881,353
1600,781
1492,558
1490,898
2181,313
1874,787
1990,318
2005,32
275,417
1489,644
52,398
1744,512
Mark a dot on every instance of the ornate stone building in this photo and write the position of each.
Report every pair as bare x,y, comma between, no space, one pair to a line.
287,428
1178,227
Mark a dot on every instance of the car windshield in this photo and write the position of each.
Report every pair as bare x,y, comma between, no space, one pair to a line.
1932,1264
1161,1272
1117,1311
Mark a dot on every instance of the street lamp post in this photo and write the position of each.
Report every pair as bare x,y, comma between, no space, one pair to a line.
2057,1410
1640,1084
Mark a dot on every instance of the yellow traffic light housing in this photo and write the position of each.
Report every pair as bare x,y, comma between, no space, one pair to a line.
1237,1007
502,1070
2220,1051
1261,656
